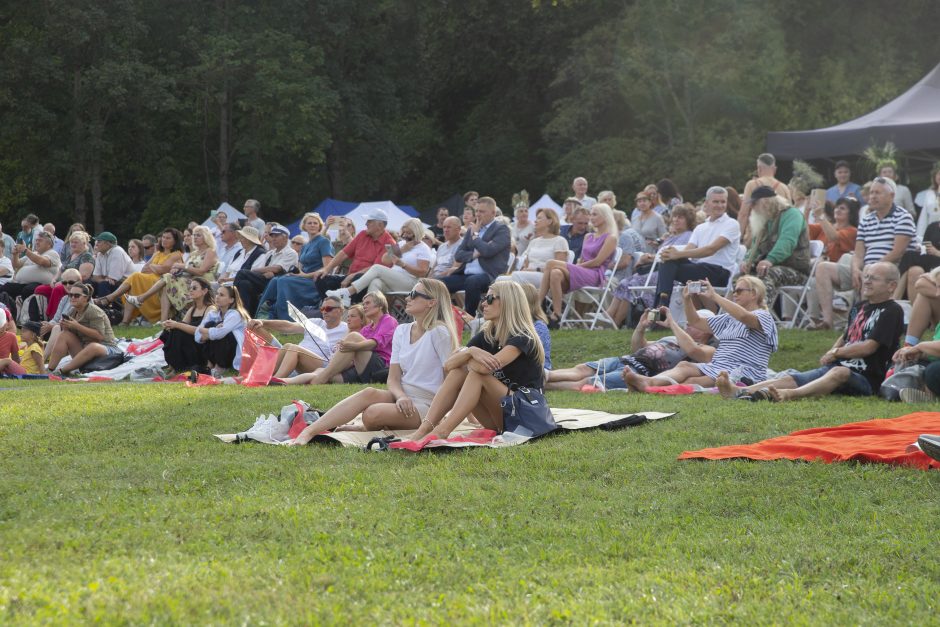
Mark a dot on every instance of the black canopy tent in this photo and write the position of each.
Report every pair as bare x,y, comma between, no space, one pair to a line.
911,121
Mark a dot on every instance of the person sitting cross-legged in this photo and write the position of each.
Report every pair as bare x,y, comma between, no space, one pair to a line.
416,370
746,335
857,362
86,332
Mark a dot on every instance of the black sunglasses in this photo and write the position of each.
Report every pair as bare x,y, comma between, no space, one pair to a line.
489,298
69,282
413,294
76,294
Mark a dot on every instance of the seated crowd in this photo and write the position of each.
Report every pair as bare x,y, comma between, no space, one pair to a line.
720,264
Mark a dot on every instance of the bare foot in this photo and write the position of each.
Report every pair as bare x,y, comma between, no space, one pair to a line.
724,385
778,395
636,382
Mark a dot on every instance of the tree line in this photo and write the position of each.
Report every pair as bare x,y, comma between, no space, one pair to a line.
135,114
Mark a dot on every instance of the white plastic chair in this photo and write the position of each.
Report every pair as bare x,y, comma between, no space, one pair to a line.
595,297
795,295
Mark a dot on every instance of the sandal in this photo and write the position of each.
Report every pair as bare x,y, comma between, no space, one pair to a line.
762,394
554,322
133,300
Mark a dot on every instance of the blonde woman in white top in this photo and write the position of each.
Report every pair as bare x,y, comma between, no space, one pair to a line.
416,371
545,246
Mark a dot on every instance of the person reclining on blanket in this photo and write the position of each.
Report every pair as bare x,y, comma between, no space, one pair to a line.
312,353
416,371
746,335
857,362
647,358
505,354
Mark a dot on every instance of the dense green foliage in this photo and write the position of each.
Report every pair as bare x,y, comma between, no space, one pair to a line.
136,114
117,505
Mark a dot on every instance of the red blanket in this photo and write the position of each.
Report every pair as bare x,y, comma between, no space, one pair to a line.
883,441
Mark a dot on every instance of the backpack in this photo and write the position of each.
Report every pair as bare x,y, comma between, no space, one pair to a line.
33,308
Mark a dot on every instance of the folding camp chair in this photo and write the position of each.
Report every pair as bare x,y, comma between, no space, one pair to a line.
594,297
795,295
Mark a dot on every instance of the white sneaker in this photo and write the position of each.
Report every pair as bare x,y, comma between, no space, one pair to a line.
342,295
133,300
913,395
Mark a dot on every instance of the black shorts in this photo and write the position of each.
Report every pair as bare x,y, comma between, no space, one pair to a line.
368,374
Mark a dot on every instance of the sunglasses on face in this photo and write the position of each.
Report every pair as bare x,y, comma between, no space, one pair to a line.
489,298
76,294
328,309
413,294
69,282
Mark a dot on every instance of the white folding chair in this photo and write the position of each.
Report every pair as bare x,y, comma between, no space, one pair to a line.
594,297
795,295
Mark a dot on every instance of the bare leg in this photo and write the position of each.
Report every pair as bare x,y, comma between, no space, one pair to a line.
345,411
913,273
569,374
66,344
387,416
729,390
925,312
618,311
293,357
680,374
570,385
443,401
826,384
156,288
337,364
53,336
164,306
480,395
129,312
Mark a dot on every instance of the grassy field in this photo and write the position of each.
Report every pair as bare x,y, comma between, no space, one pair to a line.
117,505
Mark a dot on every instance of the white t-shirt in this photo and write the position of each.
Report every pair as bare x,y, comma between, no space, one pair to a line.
6,264
114,264
542,250
708,231
31,272
333,336
421,363
417,253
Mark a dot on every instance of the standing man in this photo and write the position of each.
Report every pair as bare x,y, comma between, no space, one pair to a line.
30,225
112,264
445,264
580,187
710,254
575,232
856,364
844,185
251,210
766,177
571,203
902,197
58,244
484,251
885,234
279,260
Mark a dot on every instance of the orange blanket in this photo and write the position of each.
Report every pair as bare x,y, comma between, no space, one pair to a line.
883,441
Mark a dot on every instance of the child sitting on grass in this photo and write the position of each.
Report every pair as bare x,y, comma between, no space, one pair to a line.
10,354
31,358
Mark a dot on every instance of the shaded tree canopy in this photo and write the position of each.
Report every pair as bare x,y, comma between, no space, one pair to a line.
135,115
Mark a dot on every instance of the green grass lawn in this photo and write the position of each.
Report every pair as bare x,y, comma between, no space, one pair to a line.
118,505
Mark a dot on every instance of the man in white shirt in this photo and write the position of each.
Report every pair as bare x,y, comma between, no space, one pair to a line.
580,187
228,247
6,264
112,264
279,260
710,254
251,209
250,256
445,264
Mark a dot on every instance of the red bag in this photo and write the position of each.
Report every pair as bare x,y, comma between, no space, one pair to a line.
258,360
145,347
300,423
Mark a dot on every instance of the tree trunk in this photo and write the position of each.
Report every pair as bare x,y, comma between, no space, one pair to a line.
224,117
79,211
334,170
97,208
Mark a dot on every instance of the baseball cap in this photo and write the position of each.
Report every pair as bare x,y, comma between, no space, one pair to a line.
106,236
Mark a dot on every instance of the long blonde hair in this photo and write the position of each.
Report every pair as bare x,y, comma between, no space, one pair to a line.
532,295
515,318
207,236
414,225
608,214
442,314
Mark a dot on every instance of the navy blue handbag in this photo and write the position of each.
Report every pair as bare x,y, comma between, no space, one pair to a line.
526,413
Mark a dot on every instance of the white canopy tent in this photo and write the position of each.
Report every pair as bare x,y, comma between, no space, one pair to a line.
545,202
232,214
396,217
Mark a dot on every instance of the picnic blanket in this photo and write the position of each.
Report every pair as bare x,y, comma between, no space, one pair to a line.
469,435
883,441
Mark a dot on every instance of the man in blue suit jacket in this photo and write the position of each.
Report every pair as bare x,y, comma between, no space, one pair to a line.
484,253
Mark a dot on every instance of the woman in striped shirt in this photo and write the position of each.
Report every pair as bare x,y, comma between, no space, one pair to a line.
746,336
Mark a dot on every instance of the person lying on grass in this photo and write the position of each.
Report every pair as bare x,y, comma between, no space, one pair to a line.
856,364
746,335
505,353
647,359
361,357
312,353
419,351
